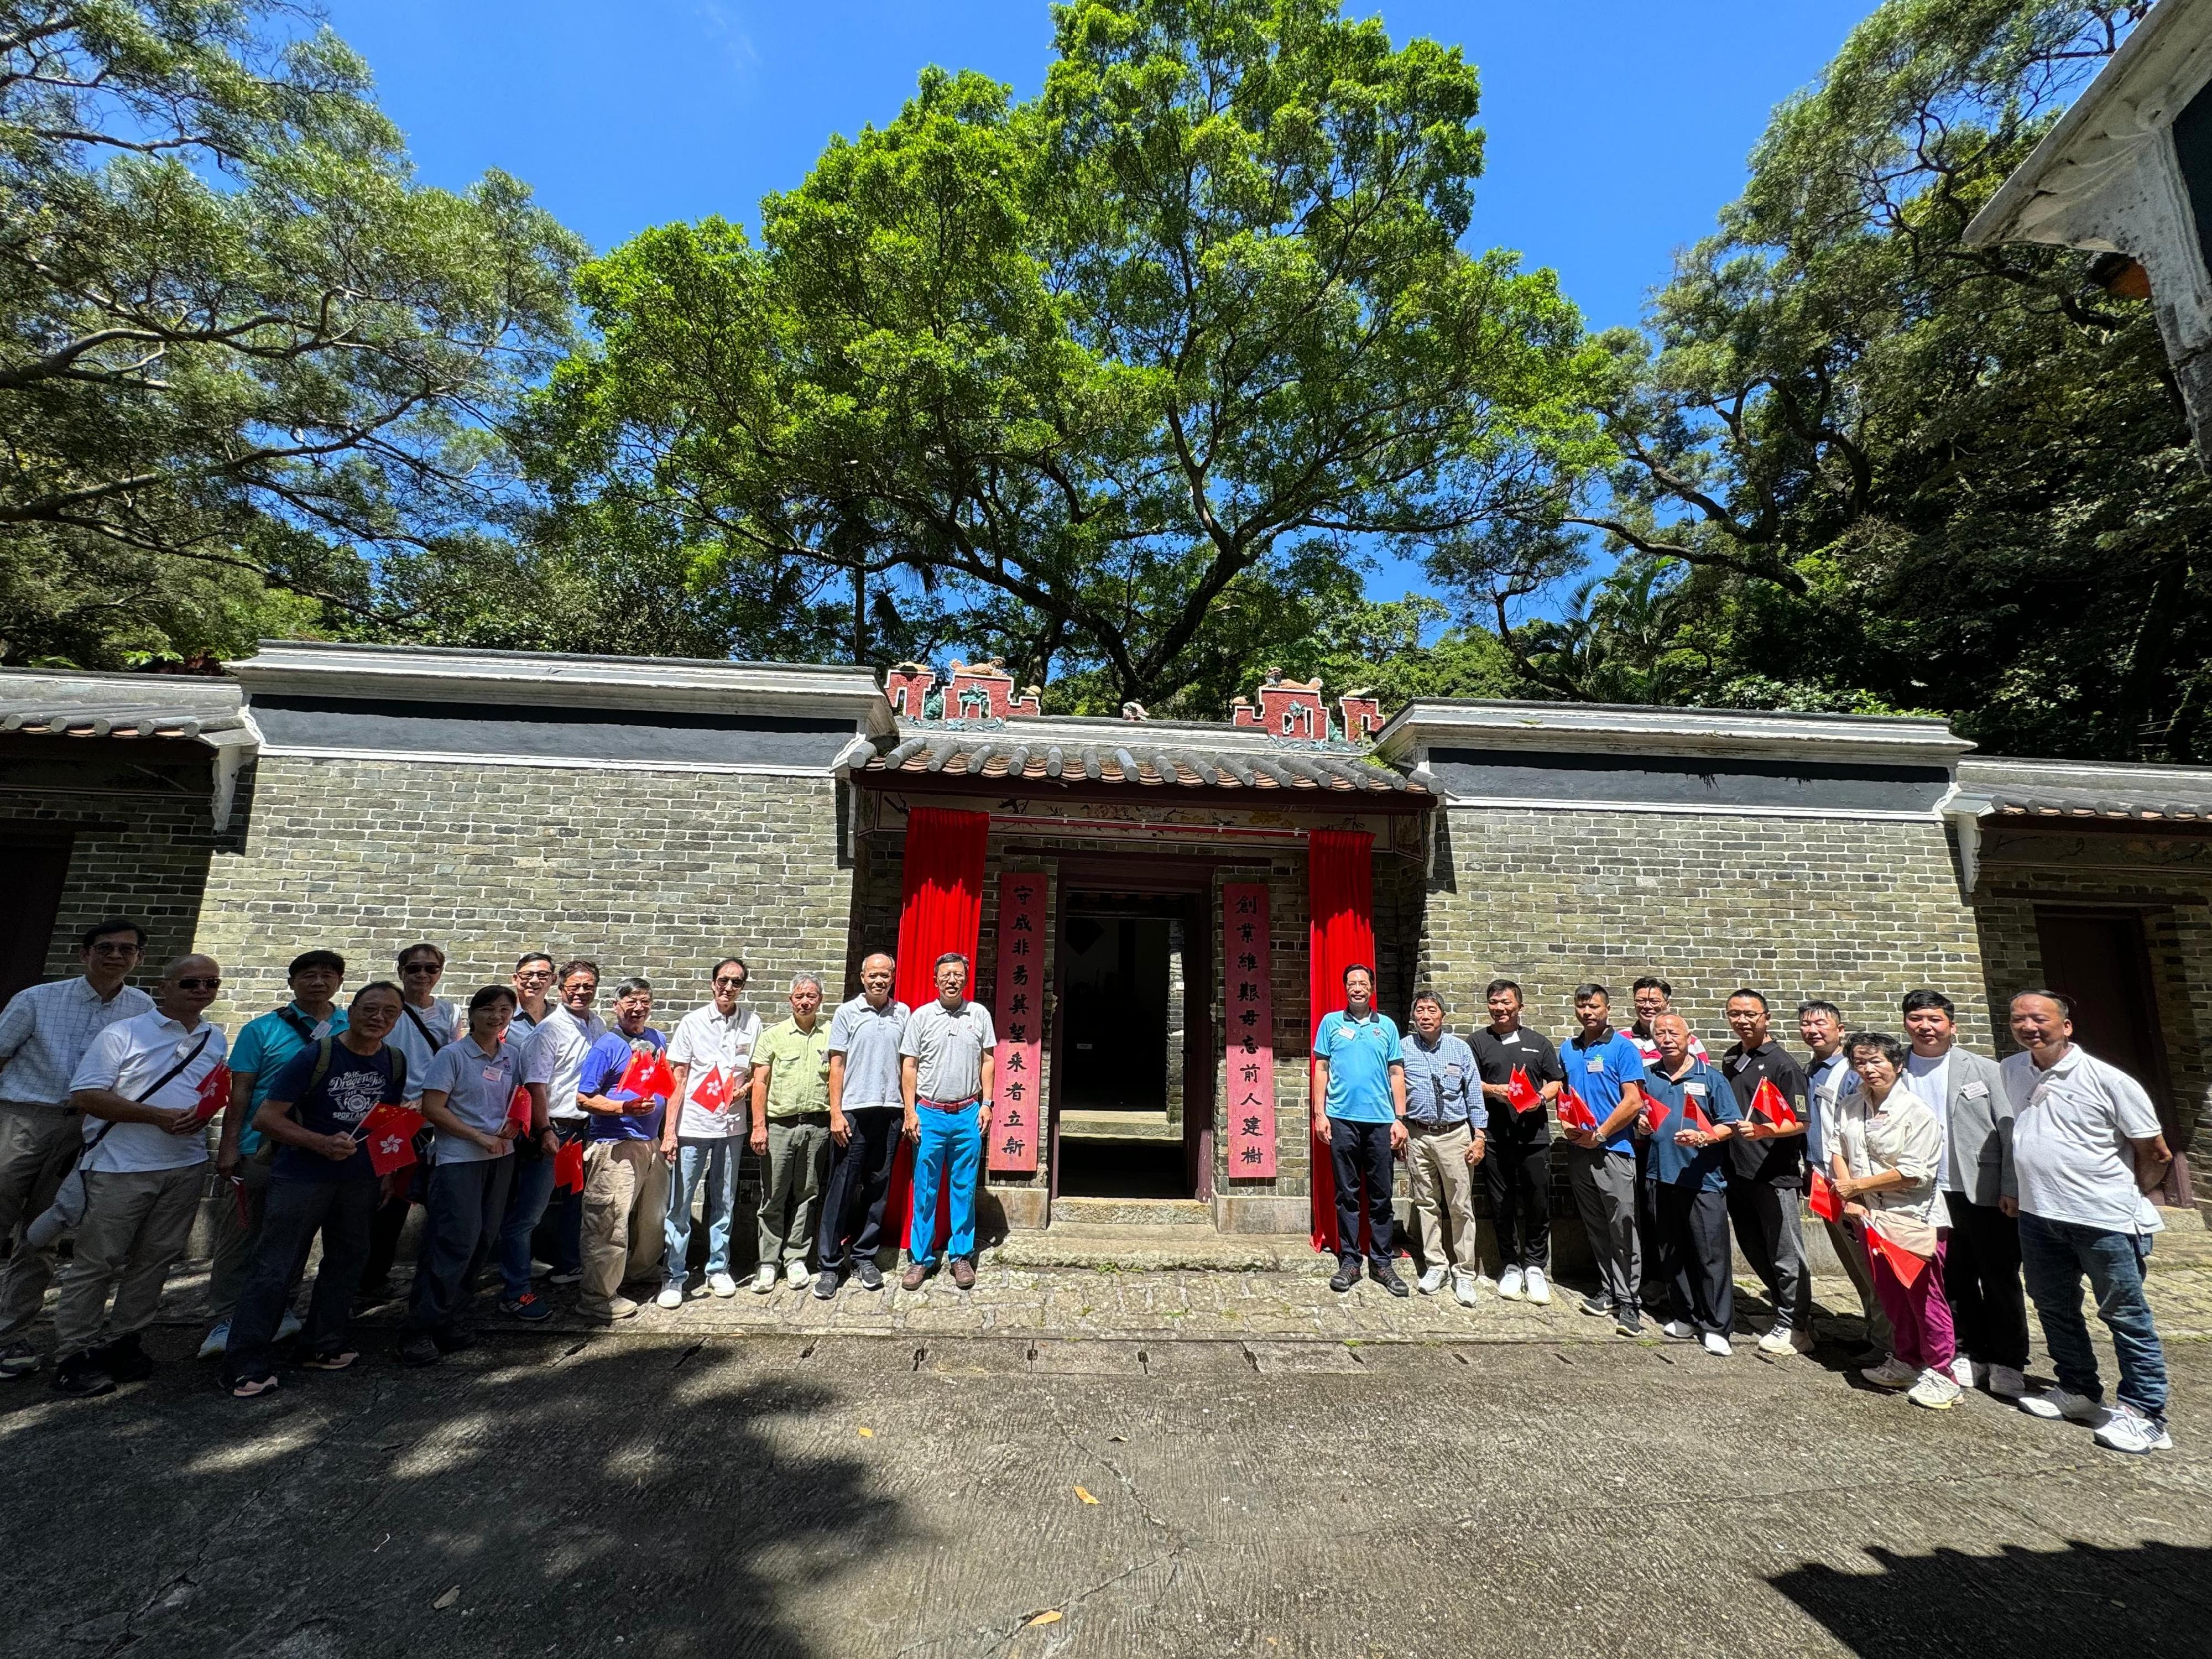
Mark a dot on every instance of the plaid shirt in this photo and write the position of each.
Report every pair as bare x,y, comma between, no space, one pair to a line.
45,1030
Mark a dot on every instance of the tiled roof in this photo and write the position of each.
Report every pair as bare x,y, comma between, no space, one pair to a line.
2063,791
63,704
1191,756
80,722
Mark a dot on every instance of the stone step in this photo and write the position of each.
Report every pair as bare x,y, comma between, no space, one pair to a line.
1132,1212
1118,1126
1137,1249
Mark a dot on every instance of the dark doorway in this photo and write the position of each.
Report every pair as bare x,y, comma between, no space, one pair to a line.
28,904
2099,961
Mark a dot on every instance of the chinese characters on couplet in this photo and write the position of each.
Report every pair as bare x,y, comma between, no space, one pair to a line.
1018,1112
1248,1069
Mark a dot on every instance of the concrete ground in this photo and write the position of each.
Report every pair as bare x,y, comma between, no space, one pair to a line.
1078,1462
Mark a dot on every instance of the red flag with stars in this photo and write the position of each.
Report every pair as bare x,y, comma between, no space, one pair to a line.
569,1167
1902,1262
1827,1202
1769,1102
1696,1114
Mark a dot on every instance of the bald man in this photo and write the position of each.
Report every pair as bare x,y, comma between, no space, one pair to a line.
865,1111
148,1087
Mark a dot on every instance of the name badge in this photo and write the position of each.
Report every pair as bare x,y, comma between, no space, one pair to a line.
1597,1065
1510,1040
495,1073
1975,1090
1452,1071
1693,1088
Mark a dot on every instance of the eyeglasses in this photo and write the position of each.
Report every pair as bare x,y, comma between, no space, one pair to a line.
733,984
106,949
545,973
199,984
424,968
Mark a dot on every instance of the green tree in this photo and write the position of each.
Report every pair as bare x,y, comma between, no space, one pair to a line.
1122,370
243,359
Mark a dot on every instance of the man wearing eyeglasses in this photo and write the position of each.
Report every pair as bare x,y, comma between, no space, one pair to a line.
143,1086
711,1060
44,1034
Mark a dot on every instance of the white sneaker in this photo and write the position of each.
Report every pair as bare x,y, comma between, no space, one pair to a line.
764,1280
1509,1284
1776,1342
1717,1345
1463,1290
1891,1373
672,1296
2127,1430
217,1340
1962,1370
722,1285
796,1276
2005,1382
1429,1282
2054,1402
1935,1390
1538,1291
1681,1330
290,1325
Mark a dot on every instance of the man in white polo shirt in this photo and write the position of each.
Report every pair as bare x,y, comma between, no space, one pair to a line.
551,1071
148,1087
945,1085
711,1060
2087,1151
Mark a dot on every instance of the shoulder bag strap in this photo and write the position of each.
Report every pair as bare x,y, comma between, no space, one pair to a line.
155,1087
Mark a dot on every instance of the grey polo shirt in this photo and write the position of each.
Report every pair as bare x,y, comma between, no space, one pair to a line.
948,1050
869,1039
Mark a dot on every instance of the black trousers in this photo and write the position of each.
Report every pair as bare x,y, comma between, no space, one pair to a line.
1518,1175
1694,1253
1982,1281
391,1218
461,1215
1648,1240
1360,1155
295,1210
859,1182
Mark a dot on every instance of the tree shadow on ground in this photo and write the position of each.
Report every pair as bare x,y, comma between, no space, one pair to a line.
2144,1598
527,1497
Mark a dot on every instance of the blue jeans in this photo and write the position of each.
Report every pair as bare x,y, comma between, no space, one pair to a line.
956,1136
2053,1256
531,1193
463,1207
717,1160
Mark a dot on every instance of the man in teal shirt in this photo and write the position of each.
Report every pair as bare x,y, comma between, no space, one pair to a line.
261,1051
1359,1115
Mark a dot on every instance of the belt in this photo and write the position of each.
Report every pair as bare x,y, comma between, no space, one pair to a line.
818,1118
1434,1128
948,1105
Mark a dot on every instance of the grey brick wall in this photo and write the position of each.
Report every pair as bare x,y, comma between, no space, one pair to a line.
644,872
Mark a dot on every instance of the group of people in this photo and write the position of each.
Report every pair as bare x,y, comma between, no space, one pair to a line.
527,1126
1945,1179
524,1123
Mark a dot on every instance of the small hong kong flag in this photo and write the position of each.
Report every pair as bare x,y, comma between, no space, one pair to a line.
1902,1262
214,1094
389,1134
1827,1202
1655,1113
714,1094
569,1167
1768,1102
646,1078
1574,1113
1520,1093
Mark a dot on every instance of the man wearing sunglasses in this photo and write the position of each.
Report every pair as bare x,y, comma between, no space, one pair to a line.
44,1033
143,1087
711,1060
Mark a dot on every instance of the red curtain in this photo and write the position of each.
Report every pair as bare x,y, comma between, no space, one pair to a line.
940,909
1341,930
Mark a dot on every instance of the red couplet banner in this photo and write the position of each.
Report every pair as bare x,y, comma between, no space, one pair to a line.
1249,1069
1017,1111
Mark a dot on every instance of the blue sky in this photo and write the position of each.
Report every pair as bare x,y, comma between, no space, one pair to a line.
1616,128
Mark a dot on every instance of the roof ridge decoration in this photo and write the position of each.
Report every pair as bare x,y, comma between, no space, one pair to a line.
975,693
1292,711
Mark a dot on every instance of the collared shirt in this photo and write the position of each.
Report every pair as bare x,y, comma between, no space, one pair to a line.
1901,1134
798,1063
1441,1089
1600,1070
1703,1169
869,1037
1826,1081
266,1045
709,1041
948,1049
1360,1053
126,1058
2070,1129
602,1072
1781,1161
479,1088
1497,1058
442,1019
351,1087
557,1047
46,1029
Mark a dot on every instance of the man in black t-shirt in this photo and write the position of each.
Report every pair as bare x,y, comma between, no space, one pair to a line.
321,1180
1766,1173
1517,1173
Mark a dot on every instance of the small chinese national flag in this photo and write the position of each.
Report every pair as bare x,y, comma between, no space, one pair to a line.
646,1077
518,1108
1768,1102
1522,1093
1655,1113
1827,1202
214,1094
388,1132
1696,1114
714,1094
569,1167
1902,1262
1573,1112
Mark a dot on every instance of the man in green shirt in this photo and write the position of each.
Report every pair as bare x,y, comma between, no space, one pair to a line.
790,1130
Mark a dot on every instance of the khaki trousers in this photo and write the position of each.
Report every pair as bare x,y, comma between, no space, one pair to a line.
136,1225
38,1146
237,1243
625,1206
1443,1196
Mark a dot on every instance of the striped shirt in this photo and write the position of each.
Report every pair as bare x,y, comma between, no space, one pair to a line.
45,1030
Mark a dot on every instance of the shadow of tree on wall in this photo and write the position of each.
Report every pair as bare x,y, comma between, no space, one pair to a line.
2145,1599
527,1497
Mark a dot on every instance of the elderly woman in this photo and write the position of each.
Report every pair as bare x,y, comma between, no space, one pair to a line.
1886,1147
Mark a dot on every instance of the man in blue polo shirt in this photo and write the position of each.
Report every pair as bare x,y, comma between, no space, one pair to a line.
1359,1115
1688,1182
1606,1070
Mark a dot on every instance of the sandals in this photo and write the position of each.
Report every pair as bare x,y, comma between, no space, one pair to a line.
328,1362
252,1387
